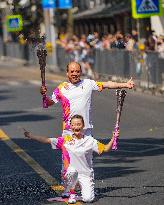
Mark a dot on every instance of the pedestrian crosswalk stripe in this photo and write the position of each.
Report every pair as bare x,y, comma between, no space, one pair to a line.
147,6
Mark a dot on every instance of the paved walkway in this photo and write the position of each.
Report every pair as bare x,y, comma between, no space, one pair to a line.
14,71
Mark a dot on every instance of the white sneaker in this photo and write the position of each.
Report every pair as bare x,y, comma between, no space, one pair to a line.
72,199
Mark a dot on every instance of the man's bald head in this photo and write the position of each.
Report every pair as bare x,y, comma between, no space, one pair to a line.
73,65
74,72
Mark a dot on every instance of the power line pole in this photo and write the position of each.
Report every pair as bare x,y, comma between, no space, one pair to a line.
50,31
5,11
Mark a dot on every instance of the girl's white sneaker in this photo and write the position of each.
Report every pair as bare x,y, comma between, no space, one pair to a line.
72,199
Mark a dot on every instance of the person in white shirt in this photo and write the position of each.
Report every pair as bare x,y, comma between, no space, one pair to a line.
77,150
75,96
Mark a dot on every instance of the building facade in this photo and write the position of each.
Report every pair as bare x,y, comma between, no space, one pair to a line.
103,16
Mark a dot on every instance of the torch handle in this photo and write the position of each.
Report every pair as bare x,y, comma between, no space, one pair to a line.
116,128
44,100
44,97
120,99
42,53
115,141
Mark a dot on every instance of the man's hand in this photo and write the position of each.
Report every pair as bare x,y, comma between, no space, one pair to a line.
43,89
130,83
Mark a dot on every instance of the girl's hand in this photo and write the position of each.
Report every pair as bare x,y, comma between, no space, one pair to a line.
27,134
116,133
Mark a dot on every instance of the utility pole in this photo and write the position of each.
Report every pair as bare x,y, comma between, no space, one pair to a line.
50,31
5,11
70,23
138,29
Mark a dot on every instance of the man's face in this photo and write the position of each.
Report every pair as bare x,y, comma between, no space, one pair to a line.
74,73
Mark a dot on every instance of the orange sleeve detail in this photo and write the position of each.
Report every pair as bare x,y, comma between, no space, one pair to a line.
61,85
101,147
67,138
100,85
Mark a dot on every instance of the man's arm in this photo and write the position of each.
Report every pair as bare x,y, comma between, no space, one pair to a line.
41,139
43,91
114,85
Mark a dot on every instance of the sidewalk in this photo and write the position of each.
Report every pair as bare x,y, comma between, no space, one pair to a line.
14,70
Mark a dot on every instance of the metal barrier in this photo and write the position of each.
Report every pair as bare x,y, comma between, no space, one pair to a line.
147,67
1,48
63,58
112,62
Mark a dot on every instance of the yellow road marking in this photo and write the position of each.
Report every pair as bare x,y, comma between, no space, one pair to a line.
57,187
33,164
29,160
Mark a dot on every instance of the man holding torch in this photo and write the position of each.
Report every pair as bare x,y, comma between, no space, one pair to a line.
75,96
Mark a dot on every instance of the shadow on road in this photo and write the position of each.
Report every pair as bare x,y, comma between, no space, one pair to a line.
129,152
125,158
20,117
4,96
100,193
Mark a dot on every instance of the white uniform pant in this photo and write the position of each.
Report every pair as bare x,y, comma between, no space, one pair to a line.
86,184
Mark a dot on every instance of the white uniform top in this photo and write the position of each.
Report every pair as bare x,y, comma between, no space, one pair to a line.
78,153
76,99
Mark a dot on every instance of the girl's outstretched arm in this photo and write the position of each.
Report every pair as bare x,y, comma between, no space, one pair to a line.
41,139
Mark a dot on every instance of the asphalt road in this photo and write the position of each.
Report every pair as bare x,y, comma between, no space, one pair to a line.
132,175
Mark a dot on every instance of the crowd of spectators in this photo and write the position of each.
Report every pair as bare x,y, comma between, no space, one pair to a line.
82,48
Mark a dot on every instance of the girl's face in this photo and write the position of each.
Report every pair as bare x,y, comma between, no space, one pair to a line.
77,127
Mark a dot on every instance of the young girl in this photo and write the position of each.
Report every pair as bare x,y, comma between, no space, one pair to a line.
77,151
